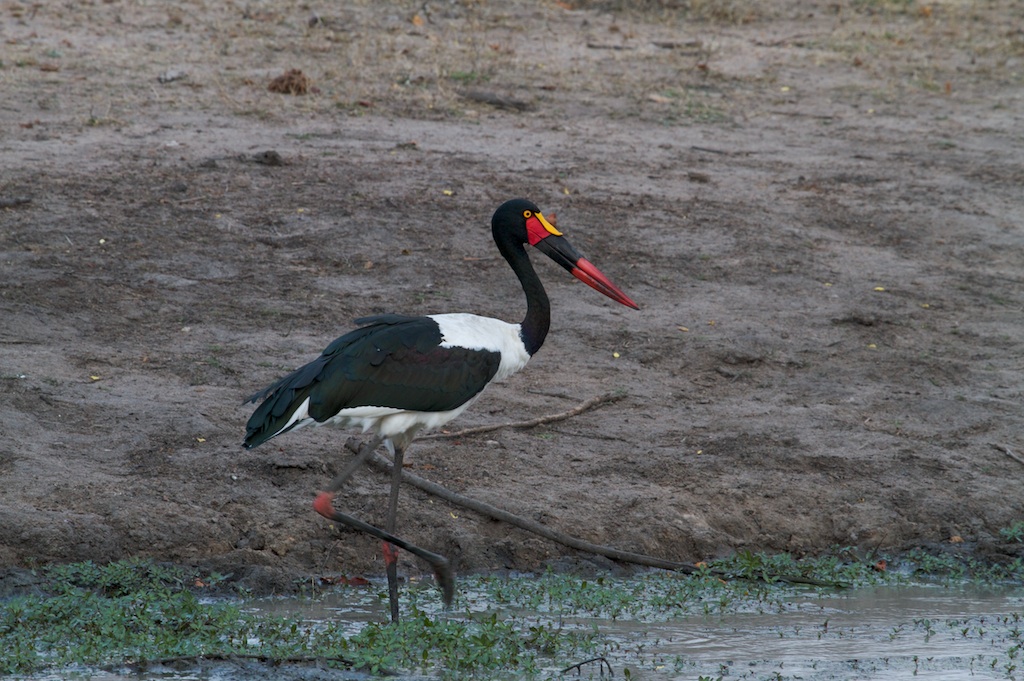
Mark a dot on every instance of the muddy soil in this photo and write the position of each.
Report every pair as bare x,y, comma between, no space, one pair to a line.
818,209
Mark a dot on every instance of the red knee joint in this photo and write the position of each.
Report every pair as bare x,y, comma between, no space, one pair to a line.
324,504
390,553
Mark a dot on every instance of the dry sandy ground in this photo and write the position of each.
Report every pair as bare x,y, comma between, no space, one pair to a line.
819,211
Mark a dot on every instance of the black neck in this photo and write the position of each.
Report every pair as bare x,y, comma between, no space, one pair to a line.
538,309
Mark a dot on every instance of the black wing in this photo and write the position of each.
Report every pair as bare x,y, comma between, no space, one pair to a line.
390,361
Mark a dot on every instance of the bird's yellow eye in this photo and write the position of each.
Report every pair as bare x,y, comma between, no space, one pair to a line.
527,214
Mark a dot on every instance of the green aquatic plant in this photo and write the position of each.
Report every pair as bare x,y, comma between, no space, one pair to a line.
958,567
132,613
1014,532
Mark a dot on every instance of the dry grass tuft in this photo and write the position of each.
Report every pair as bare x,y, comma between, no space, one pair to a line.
292,82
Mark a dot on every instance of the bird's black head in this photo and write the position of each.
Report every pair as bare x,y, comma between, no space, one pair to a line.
518,222
512,219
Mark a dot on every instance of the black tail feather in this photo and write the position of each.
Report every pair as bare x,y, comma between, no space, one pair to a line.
280,401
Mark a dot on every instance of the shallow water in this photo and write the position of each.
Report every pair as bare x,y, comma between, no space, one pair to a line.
884,633
872,633
887,632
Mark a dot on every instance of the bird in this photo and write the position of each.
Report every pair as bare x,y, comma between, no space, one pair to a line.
397,376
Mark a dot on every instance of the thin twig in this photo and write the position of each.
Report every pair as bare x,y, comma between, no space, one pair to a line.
821,117
712,151
592,403
579,666
676,44
782,41
1009,452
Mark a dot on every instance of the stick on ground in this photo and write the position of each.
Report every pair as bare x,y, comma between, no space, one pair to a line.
592,403
1009,452
382,463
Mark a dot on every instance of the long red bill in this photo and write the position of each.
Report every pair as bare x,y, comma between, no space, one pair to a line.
595,279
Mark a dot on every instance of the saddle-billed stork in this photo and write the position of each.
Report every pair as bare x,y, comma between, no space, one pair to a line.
396,376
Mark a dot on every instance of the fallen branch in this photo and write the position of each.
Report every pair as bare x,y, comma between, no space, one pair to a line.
381,463
592,403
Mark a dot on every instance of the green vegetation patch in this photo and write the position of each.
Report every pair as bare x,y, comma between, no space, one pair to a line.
135,613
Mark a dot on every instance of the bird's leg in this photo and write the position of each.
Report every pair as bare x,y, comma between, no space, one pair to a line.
324,505
442,568
390,552
365,452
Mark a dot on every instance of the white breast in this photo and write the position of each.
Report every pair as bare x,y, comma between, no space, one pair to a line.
485,333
